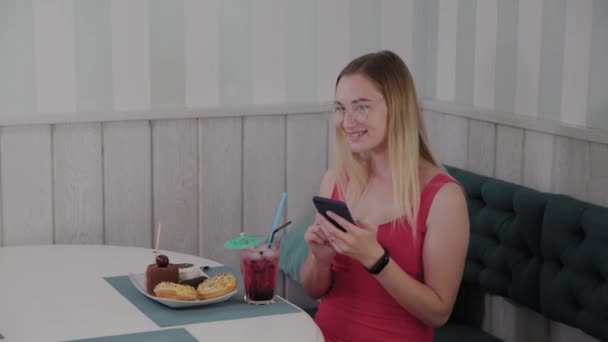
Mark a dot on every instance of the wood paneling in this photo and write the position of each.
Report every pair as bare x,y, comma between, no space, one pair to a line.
538,160
454,141
27,190
127,183
509,153
175,183
481,147
305,168
571,167
264,174
597,188
78,195
220,187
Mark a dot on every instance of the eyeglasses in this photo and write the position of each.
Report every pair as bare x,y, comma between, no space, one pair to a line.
358,111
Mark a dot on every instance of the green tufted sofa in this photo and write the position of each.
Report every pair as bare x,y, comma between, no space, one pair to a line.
548,252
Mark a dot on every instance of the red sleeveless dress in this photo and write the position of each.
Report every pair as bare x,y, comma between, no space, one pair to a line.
357,307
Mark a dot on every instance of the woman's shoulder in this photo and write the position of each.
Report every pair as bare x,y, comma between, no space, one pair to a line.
328,183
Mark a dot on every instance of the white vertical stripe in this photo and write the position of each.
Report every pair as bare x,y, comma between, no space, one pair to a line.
485,53
54,55
577,57
398,28
528,56
268,49
130,54
202,53
334,44
446,50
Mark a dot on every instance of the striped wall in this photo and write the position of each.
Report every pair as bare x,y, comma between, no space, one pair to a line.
543,58
60,56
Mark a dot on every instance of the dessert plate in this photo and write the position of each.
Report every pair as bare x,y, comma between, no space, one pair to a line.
139,281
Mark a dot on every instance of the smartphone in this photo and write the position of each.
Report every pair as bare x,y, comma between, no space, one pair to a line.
324,205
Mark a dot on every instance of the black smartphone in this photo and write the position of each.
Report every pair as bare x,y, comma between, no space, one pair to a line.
324,205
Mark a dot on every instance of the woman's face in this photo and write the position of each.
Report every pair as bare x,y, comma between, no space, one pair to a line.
361,113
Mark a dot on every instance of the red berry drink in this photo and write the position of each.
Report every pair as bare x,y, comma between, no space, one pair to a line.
259,266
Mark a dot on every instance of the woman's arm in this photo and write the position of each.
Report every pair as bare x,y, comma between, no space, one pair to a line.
444,254
316,276
316,271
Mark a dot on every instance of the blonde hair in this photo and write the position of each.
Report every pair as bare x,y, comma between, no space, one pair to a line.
406,135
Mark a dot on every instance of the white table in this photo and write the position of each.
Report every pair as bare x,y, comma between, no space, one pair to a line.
53,293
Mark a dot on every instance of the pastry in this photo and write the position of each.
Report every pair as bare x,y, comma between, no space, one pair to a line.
217,286
175,291
190,274
159,272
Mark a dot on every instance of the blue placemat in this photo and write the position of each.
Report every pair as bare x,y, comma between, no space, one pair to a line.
174,335
232,308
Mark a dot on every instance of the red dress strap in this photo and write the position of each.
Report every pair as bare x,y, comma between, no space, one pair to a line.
428,195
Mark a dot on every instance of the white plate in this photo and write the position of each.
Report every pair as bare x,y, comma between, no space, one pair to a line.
139,281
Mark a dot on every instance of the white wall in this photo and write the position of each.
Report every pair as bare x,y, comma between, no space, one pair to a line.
542,58
62,56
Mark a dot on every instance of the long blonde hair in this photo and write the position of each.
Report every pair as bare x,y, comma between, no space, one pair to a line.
407,137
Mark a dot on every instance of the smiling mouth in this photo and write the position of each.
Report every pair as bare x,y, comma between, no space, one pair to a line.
355,135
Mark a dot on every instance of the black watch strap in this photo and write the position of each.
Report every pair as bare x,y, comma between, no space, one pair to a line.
380,264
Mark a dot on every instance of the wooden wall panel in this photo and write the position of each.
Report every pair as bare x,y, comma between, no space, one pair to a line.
538,160
220,187
435,134
571,167
78,191
175,183
509,153
481,147
264,173
27,190
127,183
455,141
597,187
305,168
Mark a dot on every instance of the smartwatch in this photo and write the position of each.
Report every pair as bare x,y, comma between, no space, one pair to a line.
380,264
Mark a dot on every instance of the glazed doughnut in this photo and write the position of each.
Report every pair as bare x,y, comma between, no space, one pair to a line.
217,286
175,291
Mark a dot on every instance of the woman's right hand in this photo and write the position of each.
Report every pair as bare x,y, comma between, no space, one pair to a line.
319,245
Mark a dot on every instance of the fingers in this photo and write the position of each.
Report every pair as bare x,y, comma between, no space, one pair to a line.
327,225
349,227
316,235
365,225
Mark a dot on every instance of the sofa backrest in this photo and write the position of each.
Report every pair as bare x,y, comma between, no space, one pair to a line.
545,251
504,256
574,277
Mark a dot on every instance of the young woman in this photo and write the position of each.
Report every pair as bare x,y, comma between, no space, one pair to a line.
393,276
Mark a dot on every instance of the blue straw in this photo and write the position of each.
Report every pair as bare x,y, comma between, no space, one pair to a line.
277,216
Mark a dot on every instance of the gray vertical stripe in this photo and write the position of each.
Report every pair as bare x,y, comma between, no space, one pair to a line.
465,52
506,56
93,54
418,64
235,52
302,51
17,80
365,27
552,57
167,54
597,102
432,25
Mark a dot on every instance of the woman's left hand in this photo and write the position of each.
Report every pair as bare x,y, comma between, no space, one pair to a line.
358,242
